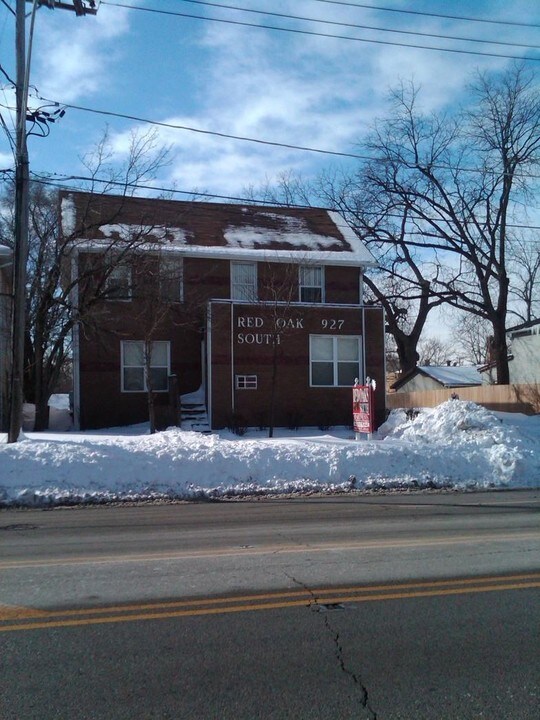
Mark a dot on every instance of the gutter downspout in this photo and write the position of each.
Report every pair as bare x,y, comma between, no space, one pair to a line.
76,350
209,363
233,401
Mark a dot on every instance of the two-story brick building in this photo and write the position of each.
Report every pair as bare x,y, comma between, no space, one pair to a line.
257,309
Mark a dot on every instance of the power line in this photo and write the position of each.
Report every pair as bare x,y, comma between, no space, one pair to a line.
312,33
55,180
11,10
428,14
4,73
242,138
227,136
8,134
359,27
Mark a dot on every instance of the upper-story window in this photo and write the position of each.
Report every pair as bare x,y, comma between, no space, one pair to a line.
311,283
171,280
244,281
118,283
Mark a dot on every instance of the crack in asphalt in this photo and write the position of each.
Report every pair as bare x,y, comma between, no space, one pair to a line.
315,606
364,698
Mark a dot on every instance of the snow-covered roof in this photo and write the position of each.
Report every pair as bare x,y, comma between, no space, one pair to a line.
446,375
249,232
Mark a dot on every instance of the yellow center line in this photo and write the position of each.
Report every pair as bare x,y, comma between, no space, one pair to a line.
17,612
475,538
305,593
250,603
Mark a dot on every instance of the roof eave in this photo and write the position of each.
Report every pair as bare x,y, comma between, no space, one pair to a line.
323,257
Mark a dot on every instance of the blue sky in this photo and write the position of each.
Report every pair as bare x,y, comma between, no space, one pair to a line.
285,87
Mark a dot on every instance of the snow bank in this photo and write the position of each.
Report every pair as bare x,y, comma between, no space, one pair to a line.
456,445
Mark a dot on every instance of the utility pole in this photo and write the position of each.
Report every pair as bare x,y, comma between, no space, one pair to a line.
21,232
22,181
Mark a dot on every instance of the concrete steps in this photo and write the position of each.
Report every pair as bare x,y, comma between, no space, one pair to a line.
193,417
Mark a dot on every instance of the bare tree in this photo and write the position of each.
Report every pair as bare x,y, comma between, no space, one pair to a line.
287,189
51,312
279,294
157,293
460,182
398,283
434,351
525,272
471,337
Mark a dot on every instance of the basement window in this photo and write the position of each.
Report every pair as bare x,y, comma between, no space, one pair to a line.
246,382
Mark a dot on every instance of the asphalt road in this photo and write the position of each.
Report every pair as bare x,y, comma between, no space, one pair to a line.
404,606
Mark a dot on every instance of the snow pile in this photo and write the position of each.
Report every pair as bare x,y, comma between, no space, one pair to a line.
453,421
476,433
456,445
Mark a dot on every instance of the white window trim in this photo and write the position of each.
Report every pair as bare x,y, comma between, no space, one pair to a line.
145,389
335,361
246,382
322,286
256,280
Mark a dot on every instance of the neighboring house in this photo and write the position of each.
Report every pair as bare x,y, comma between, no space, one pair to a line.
5,331
523,356
524,346
431,377
258,308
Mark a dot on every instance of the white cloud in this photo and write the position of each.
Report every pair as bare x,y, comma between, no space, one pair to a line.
283,87
302,90
6,160
73,55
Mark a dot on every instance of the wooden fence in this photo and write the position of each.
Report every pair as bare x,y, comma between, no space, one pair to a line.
506,398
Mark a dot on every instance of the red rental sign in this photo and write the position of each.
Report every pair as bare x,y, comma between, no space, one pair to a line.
363,409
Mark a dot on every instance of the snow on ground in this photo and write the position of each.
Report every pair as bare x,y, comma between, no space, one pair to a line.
458,445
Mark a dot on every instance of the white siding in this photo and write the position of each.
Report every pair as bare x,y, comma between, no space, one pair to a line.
525,367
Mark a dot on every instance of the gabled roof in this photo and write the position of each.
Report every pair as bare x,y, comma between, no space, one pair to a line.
446,376
216,229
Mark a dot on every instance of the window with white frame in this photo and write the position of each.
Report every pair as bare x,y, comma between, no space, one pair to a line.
334,360
244,281
246,382
171,280
134,356
118,282
311,279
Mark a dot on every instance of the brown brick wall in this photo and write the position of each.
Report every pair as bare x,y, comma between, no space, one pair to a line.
253,349
102,401
342,285
183,325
